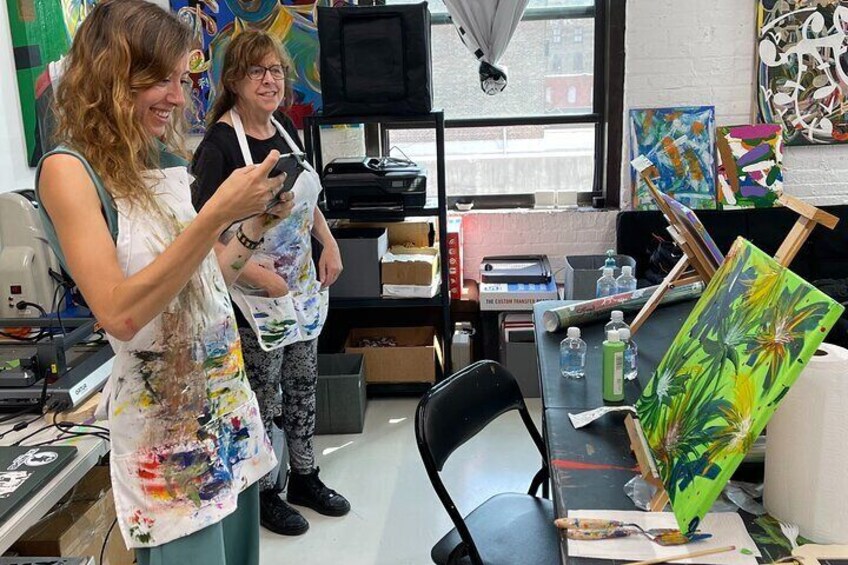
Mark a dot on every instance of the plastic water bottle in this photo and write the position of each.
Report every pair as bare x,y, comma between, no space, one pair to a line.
606,284
626,282
631,354
616,322
572,355
610,261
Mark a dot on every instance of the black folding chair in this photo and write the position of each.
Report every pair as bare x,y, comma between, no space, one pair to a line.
508,528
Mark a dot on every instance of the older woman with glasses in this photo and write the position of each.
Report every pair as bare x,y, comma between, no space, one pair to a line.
244,127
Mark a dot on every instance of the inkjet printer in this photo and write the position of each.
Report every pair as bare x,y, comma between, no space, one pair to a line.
374,184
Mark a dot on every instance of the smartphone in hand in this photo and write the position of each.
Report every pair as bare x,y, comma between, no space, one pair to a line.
292,165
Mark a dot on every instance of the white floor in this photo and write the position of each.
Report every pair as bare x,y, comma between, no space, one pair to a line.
396,516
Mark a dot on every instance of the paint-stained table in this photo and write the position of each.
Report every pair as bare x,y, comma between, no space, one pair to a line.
590,466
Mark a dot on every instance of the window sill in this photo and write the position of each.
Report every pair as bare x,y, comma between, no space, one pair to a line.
547,210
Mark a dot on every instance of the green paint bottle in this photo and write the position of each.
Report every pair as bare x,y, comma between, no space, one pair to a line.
612,364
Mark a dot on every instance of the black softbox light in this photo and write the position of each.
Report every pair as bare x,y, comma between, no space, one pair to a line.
375,60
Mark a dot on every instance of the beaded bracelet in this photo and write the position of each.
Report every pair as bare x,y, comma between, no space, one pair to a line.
246,241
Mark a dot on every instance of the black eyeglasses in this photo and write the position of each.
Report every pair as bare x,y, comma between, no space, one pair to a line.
257,72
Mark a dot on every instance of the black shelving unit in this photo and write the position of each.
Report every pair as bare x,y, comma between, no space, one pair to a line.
434,208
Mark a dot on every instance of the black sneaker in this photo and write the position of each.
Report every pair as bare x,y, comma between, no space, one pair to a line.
279,517
309,491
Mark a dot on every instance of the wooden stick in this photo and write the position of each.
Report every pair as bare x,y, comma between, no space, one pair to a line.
701,553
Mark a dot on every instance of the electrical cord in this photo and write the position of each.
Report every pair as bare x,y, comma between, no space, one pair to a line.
23,305
106,539
66,424
25,339
67,432
35,433
56,306
14,415
19,426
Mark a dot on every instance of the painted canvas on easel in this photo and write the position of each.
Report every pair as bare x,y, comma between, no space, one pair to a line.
292,22
697,232
681,144
750,165
802,70
746,341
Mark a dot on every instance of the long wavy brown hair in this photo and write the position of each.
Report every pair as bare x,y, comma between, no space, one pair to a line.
246,49
122,47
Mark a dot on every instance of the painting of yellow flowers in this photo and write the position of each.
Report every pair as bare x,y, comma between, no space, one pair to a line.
746,341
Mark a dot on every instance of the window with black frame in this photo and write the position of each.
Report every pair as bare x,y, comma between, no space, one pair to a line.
545,131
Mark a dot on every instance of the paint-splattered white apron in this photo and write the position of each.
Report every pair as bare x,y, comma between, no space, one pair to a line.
185,427
299,315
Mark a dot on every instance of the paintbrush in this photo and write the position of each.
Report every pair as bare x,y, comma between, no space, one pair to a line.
686,555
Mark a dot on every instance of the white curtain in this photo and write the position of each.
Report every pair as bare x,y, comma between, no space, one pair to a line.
486,28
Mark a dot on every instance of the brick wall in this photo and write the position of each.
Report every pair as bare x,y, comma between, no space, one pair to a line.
686,52
551,232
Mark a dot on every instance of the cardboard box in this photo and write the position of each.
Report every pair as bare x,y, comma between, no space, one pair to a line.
413,360
583,271
413,290
409,233
454,244
410,266
361,250
515,296
80,525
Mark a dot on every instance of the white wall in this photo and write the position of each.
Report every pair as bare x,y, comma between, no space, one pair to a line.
14,171
687,52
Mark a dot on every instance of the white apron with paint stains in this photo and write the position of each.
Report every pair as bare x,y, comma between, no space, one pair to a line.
186,433
287,250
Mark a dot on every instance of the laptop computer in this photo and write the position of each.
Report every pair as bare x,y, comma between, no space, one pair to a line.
25,470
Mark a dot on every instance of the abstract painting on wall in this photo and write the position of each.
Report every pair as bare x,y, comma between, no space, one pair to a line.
746,341
750,165
291,22
802,69
680,142
41,34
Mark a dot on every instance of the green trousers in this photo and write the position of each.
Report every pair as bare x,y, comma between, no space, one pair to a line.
232,541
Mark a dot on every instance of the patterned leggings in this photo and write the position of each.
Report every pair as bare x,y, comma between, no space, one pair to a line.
295,368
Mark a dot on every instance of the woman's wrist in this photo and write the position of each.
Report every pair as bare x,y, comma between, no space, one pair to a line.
247,238
252,229
216,219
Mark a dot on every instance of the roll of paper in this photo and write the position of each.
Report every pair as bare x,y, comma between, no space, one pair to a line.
806,475
559,319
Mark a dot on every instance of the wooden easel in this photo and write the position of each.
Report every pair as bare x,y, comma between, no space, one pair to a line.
697,263
647,467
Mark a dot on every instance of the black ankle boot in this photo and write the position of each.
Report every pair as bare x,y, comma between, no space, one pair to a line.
279,517
309,491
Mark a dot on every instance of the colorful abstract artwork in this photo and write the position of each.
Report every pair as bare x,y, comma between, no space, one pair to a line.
750,165
802,69
42,31
698,234
746,341
681,144
215,24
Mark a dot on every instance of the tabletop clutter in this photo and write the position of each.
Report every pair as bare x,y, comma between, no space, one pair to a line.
754,330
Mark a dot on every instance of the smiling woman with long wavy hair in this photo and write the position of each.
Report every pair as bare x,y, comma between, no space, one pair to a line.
98,89
187,442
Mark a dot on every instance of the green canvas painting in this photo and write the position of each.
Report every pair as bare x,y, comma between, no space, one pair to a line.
41,34
749,336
